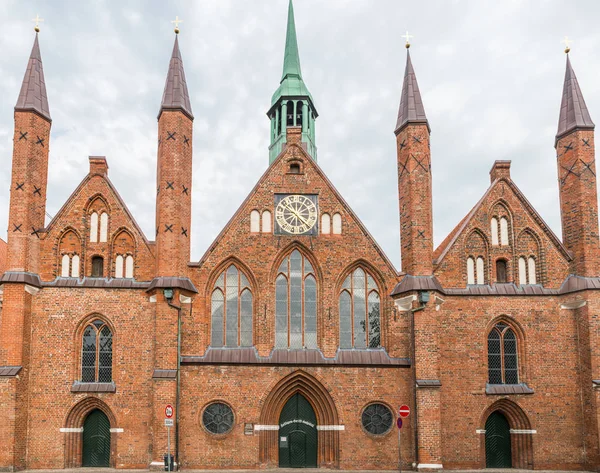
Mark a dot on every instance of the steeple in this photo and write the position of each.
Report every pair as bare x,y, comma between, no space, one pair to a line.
292,104
411,106
175,96
574,113
33,90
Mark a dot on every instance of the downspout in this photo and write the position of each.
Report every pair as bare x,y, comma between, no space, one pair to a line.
178,380
414,369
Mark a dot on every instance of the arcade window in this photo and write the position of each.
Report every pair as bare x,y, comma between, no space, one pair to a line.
377,419
217,418
296,303
231,306
96,353
360,325
502,355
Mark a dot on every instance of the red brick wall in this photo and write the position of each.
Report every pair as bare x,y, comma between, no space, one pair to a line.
3,255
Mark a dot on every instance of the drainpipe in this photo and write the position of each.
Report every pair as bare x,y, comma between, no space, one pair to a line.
178,380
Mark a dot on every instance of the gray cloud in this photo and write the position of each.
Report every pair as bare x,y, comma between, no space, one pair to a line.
490,74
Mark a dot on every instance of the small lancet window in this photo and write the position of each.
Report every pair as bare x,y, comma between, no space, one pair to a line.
119,266
103,227
65,266
522,271
94,227
290,113
255,221
504,231
502,355
470,270
501,275
531,270
295,168
480,271
129,267
299,111
494,225
75,266
325,224
266,222
97,267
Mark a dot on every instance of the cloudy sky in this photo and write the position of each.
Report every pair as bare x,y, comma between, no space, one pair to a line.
490,73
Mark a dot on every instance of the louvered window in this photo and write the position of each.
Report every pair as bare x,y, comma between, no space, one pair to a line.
96,353
359,312
231,310
502,355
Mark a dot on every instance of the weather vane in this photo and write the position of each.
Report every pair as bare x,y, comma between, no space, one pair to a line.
407,37
567,41
176,21
37,20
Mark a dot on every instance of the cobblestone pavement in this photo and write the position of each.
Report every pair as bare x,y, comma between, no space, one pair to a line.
288,470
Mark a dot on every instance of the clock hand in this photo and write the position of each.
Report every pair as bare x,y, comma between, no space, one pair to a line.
298,216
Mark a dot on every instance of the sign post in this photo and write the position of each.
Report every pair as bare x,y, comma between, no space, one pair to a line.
168,424
404,411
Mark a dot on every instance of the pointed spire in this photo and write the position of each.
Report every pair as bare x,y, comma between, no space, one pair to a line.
33,90
574,113
291,59
175,96
411,105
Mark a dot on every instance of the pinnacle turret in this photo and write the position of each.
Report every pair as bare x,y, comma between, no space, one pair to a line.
33,90
175,96
411,105
574,113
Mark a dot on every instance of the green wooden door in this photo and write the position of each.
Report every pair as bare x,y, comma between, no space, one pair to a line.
96,440
297,434
497,442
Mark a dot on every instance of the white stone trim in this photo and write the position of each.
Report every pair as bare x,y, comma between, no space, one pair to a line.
117,430
480,431
431,466
576,304
405,303
152,298
523,431
185,299
31,290
331,427
71,429
265,427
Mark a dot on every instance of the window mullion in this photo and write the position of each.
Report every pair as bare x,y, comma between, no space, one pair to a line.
502,367
97,367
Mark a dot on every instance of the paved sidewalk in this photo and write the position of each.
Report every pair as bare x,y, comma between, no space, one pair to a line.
290,470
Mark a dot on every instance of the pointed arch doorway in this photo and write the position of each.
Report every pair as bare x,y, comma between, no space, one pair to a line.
96,440
497,442
298,434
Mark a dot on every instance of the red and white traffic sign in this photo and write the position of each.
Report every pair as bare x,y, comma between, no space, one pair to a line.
404,411
169,411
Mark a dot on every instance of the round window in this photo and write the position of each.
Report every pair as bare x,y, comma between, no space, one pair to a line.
217,418
377,419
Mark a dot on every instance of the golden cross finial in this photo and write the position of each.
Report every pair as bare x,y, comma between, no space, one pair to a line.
37,20
176,21
567,41
407,37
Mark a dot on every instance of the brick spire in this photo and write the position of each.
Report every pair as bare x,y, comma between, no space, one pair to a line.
33,90
411,105
574,113
175,96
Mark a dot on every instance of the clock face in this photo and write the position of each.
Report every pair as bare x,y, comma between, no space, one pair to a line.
296,214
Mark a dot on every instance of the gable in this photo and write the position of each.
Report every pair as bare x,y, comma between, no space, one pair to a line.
95,207
522,234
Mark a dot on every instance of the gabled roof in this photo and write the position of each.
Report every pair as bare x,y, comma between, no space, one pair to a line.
33,90
446,245
411,105
119,199
263,178
574,113
175,95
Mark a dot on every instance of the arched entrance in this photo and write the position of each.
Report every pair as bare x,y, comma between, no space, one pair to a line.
497,442
323,407
297,434
96,440
508,439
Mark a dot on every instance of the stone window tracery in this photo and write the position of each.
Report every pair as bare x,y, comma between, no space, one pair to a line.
231,309
360,319
295,303
96,353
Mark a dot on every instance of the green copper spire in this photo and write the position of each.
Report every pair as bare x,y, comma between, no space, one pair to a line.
292,104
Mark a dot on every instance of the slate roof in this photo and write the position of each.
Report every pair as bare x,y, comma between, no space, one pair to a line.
574,113
411,105
175,95
33,90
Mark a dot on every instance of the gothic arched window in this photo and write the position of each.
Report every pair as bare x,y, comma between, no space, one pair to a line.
96,353
231,307
502,355
360,320
295,303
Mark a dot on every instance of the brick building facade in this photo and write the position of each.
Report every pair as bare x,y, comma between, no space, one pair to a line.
294,340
